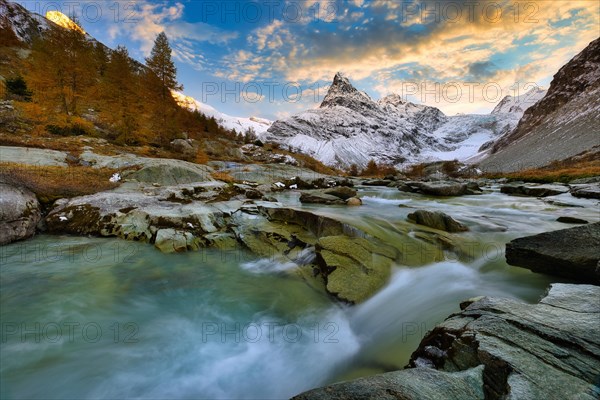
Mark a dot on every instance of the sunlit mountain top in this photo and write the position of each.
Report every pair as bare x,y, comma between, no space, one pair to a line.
62,20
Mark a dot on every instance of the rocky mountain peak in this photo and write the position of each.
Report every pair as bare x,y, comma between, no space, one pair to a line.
343,93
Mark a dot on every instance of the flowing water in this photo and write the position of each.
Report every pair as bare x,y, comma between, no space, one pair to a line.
106,318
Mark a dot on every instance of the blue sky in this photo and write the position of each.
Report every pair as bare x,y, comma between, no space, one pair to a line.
272,58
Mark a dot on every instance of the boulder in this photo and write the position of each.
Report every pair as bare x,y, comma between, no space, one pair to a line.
343,192
315,197
442,188
377,182
33,156
436,220
498,349
19,213
171,241
570,253
591,191
354,268
571,220
184,147
534,190
354,201
253,194
409,384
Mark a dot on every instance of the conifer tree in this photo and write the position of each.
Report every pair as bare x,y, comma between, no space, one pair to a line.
161,80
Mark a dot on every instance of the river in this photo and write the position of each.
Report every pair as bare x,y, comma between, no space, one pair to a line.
87,318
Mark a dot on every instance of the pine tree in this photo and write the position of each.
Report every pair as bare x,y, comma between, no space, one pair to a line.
161,80
162,65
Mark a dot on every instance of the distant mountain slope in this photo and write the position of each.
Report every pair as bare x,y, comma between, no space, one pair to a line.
351,128
240,124
566,122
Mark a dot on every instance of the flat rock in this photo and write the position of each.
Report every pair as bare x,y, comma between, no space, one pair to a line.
19,213
571,220
32,156
498,349
586,191
534,190
343,192
377,182
317,197
570,253
436,220
442,188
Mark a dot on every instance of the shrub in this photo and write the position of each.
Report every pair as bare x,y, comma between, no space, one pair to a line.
16,89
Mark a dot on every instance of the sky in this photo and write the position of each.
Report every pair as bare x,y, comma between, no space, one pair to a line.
274,58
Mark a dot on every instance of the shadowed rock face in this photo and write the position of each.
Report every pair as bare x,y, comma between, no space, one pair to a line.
19,213
565,123
498,349
436,220
571,253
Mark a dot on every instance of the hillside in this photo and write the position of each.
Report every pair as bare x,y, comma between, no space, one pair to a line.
565,123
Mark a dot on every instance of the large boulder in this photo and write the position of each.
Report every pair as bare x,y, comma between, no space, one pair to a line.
571,253
354,268
377,182
498,349
436,220
316,197
534,190
343,192
442,188
19,213
33,156
586,191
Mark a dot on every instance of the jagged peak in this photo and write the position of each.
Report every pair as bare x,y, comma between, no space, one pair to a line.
342,92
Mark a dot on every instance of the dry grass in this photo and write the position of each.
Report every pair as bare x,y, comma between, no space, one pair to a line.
222,176
306,161
50,183
560,171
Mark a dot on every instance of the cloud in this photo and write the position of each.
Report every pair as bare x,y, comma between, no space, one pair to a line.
150,19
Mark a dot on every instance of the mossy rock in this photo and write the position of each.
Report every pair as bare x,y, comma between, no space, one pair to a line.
354,268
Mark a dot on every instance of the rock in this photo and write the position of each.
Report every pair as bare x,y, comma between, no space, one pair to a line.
171,172
354,201
253,194
534,190
473,188
354,268
315,197
409,384
498,349
447,188
343,192
19,213
593,179
32,156
171,241
436,220
591,191
184,147
570,253
377,182
571,220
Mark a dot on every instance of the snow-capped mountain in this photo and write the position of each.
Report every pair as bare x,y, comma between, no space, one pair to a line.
516,105
564,123
25,25
240,124
351,128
